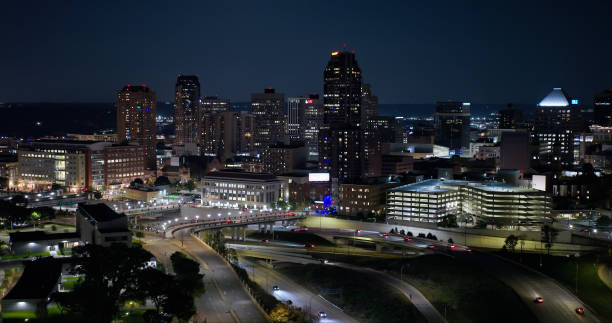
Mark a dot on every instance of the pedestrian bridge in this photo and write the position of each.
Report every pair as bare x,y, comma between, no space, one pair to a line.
197,225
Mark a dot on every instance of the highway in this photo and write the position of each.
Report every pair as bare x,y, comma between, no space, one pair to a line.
559,303
225,299
289,290
298,255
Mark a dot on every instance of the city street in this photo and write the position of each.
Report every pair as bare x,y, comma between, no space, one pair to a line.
225,299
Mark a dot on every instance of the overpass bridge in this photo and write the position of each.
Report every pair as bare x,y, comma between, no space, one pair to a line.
238,224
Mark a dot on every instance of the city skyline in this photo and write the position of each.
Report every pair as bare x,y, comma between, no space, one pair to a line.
482,54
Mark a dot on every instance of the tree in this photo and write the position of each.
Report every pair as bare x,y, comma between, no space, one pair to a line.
187,274
179,303
548,236
155,285
4,182
97,195
112,276
448,221
162,181
511,242
283,313
190,185
603,221
137,181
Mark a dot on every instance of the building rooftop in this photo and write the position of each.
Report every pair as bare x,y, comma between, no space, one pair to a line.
40,236
440,185
100,212
242,175
38,280
556,98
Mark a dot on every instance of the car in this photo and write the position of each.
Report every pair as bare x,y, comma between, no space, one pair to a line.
385,235
431,246
303,229
294,230
265,241
358,231
275,288
309,245
322,315
580,310
452,246
324,261
539,300
407,239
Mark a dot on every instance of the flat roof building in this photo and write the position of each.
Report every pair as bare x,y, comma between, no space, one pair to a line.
240,190
100,225
430,200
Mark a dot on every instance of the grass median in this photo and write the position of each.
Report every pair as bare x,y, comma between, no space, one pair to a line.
365,299
460,291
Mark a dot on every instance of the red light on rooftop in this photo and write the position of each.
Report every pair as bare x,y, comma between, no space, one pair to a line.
144,85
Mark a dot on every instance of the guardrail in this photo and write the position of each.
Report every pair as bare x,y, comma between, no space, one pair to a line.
229,222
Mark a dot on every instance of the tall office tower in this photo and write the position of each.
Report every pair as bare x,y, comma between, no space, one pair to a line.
246,131
136,112
220,136
310,124
281,158
452,122
388,128
214,104
296,107
510,117
342,90
369,103
186,114
269,111
603,108
340,144
514,151
556,122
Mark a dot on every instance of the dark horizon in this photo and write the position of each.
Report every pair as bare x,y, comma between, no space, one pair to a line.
477,52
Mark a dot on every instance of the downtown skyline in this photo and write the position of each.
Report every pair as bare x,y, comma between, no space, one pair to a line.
477,53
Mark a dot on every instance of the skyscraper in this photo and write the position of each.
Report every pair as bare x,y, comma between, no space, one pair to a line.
603,108
556,122
268,108
452,123
136,112
340,142
186,110
296,107
369,103
342,90
310,124
214,104
510,117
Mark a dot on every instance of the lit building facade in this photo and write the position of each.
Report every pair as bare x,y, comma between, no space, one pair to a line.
123,164
186,110
556,123
340,145
280,158
136,111
214,104
452,124
310,124
66,163
430,200
603,108
369,103
240,190
268,108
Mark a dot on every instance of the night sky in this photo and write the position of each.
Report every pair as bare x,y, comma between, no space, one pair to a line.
483,52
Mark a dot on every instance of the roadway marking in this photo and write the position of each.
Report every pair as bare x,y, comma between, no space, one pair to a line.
218,289
234,316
